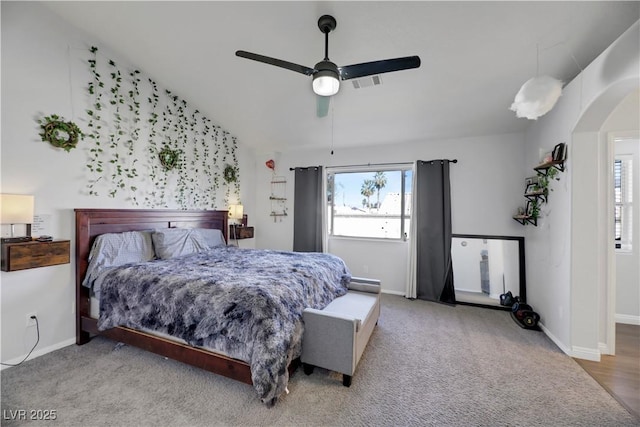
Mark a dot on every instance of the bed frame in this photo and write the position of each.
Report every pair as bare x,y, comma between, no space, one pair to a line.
93,222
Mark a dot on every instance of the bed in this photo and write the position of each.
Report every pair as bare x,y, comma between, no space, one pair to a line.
231,281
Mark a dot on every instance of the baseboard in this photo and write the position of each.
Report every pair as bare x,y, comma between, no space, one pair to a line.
628,319
555,340
40,352
386,291
603,348
592,354
575,351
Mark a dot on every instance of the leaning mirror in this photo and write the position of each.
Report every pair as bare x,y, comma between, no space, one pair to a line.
484,267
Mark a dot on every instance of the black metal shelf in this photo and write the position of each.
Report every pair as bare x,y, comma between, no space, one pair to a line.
537,195
526,219
543,168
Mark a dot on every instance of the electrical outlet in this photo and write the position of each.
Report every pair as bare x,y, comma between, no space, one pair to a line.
30,321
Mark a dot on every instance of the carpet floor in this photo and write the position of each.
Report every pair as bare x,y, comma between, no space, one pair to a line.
426,365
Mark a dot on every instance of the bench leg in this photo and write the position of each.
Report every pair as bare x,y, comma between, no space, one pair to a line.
308,369
346,380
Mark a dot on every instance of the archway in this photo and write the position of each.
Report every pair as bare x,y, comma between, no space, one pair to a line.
590,136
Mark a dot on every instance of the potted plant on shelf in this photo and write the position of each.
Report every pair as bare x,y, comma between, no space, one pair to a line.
544,179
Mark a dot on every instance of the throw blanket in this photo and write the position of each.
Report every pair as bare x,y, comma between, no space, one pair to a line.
246,303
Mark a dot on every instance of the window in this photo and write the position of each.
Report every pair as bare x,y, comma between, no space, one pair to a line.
623,195
369,202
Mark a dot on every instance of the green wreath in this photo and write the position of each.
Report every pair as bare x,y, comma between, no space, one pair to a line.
169,158
230,174
59,133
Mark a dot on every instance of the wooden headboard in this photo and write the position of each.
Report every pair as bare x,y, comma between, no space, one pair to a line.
93,222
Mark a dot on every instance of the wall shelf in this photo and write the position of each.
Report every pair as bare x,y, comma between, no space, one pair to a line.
536,189
526,219
537,195
543,168
278,197
22,256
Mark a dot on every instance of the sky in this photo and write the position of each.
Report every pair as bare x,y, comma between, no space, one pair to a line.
348,186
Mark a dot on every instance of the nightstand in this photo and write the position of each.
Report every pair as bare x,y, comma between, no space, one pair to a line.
237,232
22,256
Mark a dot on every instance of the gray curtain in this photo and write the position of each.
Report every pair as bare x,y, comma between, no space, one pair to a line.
434,275
307,210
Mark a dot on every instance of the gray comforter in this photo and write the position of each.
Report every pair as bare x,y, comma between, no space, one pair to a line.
245,303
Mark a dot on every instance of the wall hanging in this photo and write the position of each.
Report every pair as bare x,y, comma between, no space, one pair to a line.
169,158
59,133
137,129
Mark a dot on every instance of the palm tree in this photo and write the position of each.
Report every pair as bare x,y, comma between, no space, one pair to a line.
379,181
331,179
367,190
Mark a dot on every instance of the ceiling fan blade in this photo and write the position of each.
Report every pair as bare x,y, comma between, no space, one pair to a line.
378,67
322,105
277,62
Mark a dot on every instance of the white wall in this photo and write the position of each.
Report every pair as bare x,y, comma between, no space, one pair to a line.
487,185
624,123
566,253
44,71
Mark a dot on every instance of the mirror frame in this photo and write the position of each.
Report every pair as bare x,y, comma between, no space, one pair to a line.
523,276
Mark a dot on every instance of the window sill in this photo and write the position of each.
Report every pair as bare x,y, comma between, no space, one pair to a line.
624,251
368,239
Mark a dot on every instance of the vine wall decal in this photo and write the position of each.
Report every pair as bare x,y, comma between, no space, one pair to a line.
139,133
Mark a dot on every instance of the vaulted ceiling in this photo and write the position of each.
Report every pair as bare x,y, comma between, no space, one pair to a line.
475,56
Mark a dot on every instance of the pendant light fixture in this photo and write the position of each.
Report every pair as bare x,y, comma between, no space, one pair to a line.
537,96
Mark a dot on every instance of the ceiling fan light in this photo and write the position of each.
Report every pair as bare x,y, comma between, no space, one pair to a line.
326,83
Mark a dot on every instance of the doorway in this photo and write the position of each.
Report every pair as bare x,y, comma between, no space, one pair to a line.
616,134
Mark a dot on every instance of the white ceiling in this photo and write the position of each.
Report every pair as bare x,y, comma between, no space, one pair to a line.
475,56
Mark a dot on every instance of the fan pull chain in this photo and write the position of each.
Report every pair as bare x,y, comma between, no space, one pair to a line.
332,117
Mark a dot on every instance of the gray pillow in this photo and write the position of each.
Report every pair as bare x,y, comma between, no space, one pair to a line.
114,249
174,242
213,237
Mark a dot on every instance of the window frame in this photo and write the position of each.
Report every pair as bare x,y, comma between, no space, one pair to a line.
403,168
623,243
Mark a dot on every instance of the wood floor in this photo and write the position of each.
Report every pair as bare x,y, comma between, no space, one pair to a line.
620,374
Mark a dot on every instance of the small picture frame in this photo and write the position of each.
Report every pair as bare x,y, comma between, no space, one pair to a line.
529,211
531,188
559,153
531,180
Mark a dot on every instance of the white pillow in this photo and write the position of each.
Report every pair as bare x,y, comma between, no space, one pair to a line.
174,242
113,249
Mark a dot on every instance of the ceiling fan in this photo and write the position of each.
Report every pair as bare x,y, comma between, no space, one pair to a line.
327,75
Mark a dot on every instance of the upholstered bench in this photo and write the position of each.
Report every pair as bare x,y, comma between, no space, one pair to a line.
336,336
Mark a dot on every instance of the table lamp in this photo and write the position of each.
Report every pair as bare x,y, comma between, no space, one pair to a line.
16,209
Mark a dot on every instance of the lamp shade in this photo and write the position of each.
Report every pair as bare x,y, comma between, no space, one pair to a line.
325,80
536,97
326,85
16,209
235,211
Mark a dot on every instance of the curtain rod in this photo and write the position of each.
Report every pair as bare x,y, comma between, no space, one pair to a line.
440,160
376,164
304,167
